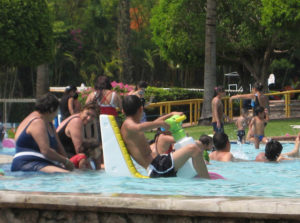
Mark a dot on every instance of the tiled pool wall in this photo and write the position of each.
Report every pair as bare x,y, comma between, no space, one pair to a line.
128,208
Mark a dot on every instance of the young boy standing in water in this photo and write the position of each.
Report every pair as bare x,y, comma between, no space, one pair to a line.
257,125
157,165
241,124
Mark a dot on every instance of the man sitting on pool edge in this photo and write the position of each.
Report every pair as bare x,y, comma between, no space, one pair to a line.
165,165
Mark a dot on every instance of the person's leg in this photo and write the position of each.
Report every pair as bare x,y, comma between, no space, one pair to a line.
256,142
193,151
53,169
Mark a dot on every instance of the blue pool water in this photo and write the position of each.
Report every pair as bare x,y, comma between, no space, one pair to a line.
245,178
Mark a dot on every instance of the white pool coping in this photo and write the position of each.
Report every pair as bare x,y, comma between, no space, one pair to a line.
267,208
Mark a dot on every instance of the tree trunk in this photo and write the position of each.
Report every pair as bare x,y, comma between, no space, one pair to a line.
210,59
123,39
42,80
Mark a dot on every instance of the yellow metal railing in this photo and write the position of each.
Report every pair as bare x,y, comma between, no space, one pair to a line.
195,106
287,102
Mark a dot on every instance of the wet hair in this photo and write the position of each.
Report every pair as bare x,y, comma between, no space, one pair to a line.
70,88
218,89
142,84
47,103
258,86
206,140
220,140
131,105
91,106
103,82
258,110
273,150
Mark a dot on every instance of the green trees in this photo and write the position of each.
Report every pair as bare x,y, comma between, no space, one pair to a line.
252,33
25,35
178,30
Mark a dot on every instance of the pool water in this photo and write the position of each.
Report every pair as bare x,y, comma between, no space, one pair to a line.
243,178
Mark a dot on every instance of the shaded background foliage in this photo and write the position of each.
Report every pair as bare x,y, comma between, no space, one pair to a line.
79,41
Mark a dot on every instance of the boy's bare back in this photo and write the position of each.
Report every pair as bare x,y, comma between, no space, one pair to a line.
136,142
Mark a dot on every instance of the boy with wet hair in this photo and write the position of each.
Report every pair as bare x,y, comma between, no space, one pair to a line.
222,148
272,152
157,165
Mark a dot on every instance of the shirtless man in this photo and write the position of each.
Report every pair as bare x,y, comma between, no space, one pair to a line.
222,148
164,165
217,110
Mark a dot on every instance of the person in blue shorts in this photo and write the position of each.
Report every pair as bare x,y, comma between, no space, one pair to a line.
37,145
157,165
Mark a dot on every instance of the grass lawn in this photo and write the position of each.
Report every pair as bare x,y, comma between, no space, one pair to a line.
274,128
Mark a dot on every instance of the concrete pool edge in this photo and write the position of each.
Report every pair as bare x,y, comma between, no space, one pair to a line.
231,207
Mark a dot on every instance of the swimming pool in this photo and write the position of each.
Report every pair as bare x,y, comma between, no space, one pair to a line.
245,178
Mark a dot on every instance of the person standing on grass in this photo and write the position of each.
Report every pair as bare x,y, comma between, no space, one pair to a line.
217,110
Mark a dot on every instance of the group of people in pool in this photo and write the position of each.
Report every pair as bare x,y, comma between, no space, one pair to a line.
260,108
76,143
41,147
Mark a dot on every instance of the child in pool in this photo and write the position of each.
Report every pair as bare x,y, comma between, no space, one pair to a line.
83,160
257,125
272,153
207,143
241,124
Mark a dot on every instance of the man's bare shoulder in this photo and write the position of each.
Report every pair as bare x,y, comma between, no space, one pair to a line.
129,125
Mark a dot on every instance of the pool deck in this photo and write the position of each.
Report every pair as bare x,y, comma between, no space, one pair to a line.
4,159
220,207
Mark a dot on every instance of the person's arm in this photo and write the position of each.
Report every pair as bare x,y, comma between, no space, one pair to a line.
241,96
118,101
71,105
295,151
164,117
252,123
90,98
145,126
60,147
39,132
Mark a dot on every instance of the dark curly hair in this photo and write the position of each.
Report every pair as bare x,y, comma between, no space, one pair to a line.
131,105
273,150
47,103
103,82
